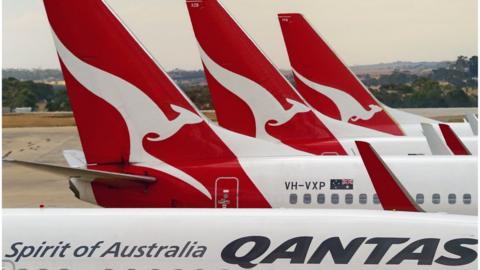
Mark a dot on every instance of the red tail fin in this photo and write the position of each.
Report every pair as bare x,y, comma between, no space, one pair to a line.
453,142
128,109
92,40
250,95
326,82
390,191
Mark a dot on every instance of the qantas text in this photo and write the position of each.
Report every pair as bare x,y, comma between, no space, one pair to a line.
254,248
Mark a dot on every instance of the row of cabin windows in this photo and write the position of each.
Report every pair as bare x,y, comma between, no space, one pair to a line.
363,198
451,198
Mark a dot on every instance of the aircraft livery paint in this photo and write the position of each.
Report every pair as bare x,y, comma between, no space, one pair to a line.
106,67
236,239
326,83
241,80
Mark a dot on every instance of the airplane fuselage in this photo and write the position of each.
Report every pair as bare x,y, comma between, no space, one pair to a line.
236,239
437,184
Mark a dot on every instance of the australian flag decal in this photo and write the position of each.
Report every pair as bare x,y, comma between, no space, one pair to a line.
341,184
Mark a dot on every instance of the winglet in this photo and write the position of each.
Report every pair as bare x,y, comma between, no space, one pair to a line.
435,142
473,122
453,142
390,191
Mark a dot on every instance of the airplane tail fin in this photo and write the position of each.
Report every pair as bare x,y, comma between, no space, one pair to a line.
122,100
391,193
453,141
326,82
130,115
250,95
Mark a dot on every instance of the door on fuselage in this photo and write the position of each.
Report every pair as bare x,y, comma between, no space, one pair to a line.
226,192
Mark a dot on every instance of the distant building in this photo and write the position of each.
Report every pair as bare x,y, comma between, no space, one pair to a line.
22,110
51,82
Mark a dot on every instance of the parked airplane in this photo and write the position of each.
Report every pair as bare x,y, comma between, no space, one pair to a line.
236,239
253,98
334,90
146,145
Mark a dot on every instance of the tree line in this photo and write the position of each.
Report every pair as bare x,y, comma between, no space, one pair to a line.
451,86
16,93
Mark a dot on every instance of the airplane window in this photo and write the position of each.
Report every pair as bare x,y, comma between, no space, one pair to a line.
452,198
436,198
419,198
307,198
293,198
467,198
321,198
362,198
375,199
335,198
348,198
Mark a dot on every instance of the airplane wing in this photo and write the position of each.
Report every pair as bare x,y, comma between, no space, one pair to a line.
435,142
81,173
453,142
392,195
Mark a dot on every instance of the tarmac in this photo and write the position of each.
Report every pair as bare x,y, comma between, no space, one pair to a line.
23,187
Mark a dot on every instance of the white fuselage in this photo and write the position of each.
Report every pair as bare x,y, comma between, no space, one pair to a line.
436,183
414,143
281,180
403,145
411,123
222,239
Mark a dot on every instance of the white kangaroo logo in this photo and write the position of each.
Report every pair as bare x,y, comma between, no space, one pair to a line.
349,107
185,117
140,113
265,107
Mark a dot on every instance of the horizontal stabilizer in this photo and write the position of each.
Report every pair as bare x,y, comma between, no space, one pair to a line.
391,193
81,173
435,142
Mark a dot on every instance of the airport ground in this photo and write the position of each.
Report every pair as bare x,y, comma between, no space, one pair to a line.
42,137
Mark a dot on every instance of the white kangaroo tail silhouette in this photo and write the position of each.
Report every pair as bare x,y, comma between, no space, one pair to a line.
265,107
185,117
297,107
373,110
349,107
139,112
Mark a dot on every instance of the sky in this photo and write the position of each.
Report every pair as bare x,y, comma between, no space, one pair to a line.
361,32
